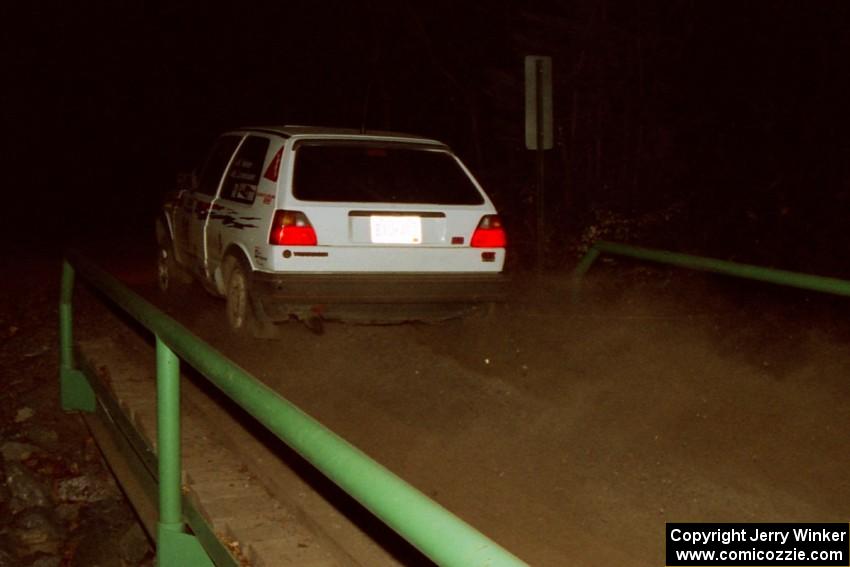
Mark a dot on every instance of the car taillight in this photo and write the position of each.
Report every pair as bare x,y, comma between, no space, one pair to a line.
489,233
292,228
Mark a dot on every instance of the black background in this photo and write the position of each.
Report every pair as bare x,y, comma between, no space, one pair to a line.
711,127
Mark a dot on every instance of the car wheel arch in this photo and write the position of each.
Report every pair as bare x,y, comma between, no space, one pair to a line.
233,254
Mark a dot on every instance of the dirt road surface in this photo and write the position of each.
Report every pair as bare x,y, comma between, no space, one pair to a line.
571,433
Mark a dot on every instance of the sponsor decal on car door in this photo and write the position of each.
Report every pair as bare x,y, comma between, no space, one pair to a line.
233,209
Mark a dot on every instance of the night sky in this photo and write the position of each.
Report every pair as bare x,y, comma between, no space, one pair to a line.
727,120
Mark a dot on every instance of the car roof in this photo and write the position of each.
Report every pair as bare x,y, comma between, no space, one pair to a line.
348,133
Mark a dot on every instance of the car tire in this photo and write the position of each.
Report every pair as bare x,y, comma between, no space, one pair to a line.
169,275
238,298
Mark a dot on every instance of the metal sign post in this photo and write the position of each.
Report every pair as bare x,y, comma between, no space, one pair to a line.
538,132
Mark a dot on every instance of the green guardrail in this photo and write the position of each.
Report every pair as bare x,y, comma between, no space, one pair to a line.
433,530
747,271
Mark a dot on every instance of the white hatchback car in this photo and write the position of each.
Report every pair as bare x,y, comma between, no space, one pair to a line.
319,223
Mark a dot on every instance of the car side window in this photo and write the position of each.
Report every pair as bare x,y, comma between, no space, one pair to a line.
217,160
240,183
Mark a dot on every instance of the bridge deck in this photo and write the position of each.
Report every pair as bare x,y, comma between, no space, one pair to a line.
255,526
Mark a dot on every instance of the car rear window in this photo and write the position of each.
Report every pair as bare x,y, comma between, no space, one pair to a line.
380,174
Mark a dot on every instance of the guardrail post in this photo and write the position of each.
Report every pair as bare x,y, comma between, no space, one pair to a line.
175,548
76,393
168,436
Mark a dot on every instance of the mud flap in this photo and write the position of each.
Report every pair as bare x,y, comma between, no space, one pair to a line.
262,327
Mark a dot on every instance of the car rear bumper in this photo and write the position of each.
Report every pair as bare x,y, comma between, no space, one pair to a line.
380,288
281,295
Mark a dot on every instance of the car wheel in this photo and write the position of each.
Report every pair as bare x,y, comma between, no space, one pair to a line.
167,271
239,312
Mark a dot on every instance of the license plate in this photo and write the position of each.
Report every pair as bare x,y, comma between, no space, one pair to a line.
396,229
